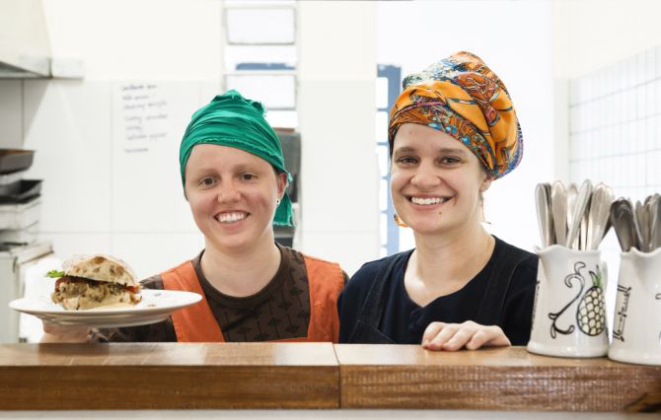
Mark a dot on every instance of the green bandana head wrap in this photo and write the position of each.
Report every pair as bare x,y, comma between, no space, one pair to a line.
234,121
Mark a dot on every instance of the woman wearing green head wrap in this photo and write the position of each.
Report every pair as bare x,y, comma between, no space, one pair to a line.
234,178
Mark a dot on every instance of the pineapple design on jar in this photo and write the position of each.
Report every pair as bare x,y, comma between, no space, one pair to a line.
591,313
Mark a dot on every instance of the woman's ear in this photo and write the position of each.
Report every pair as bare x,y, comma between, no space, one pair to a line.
486,183
281,178
185,195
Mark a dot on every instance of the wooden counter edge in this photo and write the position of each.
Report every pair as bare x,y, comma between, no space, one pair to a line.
493,379
402,377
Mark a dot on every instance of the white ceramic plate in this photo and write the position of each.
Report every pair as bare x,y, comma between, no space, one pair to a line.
156,306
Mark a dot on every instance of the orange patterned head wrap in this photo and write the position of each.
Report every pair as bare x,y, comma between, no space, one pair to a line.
462,97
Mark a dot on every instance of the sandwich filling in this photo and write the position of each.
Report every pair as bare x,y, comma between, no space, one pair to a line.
82,293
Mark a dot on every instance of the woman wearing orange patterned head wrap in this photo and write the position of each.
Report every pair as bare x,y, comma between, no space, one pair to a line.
462,97
453,130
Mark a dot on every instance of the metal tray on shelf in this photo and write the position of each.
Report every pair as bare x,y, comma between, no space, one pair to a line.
25,190
12,160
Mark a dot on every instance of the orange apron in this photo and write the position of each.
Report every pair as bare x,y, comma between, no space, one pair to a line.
196,323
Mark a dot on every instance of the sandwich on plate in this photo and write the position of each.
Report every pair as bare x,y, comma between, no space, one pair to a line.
92,281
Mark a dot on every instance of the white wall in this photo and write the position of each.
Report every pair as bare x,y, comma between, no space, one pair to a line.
514,39
97,197
139,39
591,34
336,114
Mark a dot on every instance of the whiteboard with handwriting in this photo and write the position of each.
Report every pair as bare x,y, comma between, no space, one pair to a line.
108,153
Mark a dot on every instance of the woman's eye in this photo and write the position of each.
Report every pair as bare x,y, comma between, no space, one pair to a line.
450,161
207,182
406,160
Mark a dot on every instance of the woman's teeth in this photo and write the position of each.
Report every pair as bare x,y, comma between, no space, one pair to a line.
231,217
429,201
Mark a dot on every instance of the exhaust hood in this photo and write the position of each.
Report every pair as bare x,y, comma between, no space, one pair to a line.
25,50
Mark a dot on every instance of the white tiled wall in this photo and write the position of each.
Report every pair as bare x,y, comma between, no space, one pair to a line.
614,123
615,114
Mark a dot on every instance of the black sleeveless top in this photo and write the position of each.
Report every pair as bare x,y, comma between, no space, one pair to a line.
375,307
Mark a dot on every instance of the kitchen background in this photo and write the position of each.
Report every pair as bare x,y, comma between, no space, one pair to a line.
584,76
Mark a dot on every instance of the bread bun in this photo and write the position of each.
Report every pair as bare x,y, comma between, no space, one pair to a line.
101,268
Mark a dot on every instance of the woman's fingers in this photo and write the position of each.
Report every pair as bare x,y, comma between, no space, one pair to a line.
488,336
461,334
460,338
444,335
431,332
451,337
55,333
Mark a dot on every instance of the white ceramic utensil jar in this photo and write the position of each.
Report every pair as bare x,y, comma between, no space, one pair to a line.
637,323
569,317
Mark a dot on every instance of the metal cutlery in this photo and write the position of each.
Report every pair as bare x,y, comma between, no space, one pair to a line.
599,214
578,219
572,193
624,222
655,227
642,226
617,216
638,226
583,229
559,211
543,214
581,218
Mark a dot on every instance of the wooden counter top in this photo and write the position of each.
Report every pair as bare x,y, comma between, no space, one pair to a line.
394,376
314,375
168,376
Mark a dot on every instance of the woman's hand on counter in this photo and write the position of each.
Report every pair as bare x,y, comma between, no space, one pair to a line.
55,333
469,334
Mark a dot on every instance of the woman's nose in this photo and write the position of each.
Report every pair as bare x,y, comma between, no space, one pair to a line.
426,176
227,192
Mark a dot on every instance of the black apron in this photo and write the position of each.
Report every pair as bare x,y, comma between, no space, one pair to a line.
491,306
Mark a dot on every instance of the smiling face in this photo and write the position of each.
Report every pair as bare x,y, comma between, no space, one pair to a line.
232,195
435,181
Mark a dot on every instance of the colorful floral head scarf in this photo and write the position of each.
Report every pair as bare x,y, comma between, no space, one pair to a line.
462,97
234,121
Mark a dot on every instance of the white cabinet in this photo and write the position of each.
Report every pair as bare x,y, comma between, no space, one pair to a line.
14,264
